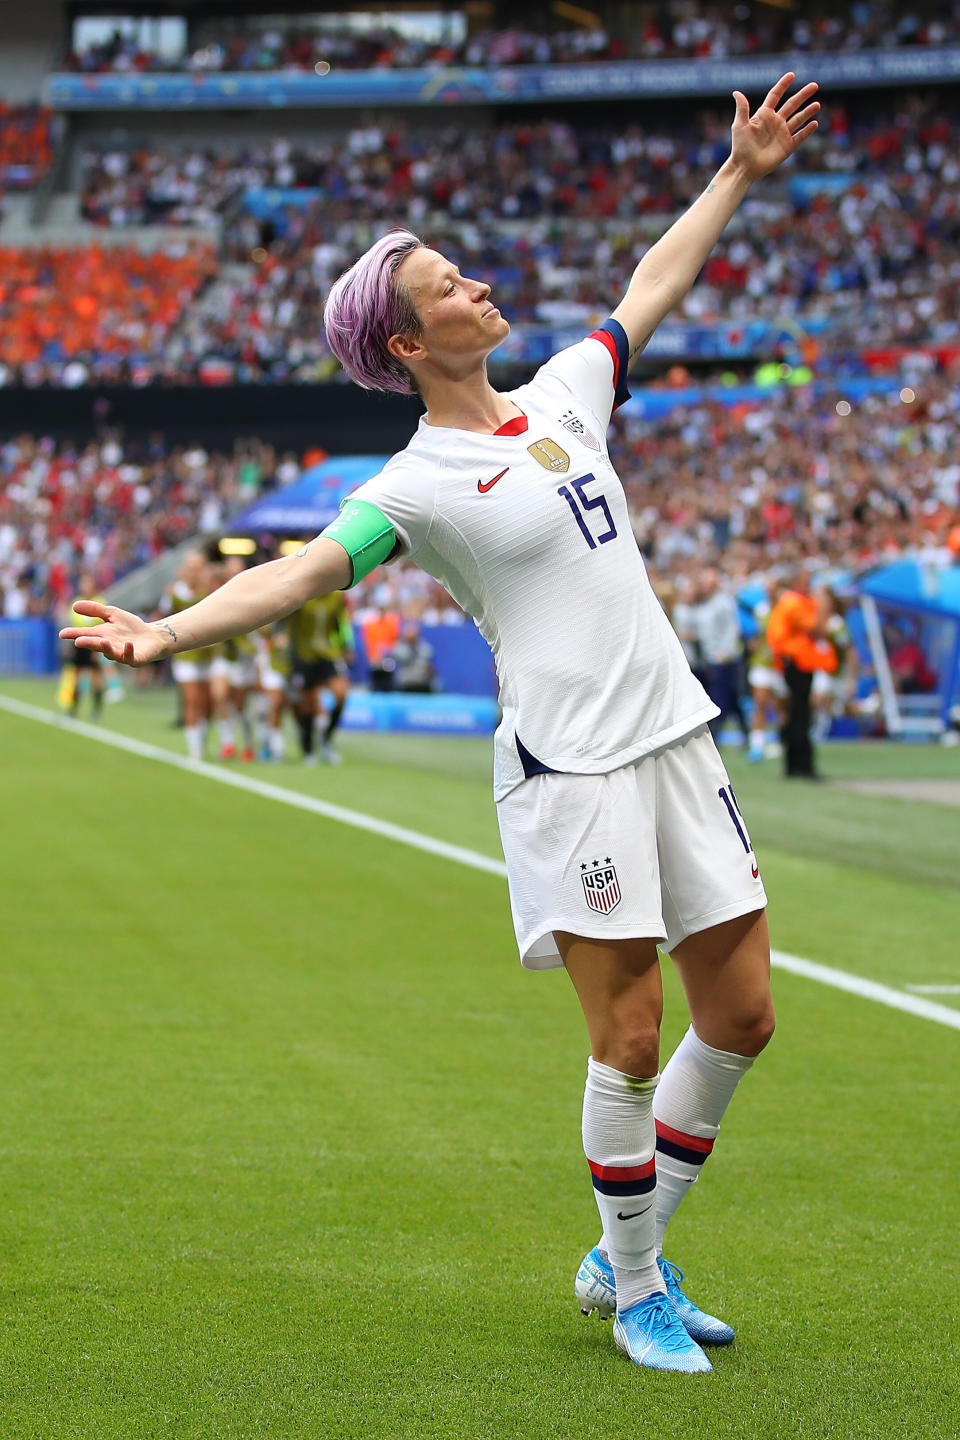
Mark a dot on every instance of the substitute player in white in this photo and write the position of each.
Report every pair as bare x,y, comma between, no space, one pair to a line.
619,824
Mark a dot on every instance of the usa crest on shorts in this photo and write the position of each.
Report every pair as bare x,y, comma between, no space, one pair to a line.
601,889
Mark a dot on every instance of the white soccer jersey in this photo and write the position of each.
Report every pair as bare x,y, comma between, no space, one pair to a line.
528,530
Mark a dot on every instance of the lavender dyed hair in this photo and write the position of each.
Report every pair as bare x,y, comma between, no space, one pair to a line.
365,307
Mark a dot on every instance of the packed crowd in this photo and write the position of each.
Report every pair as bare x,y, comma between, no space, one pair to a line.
680,29
795,479
26,145
761,488
72,315
864,239
107,506
794,490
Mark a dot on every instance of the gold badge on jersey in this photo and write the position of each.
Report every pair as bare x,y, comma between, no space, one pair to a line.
548,454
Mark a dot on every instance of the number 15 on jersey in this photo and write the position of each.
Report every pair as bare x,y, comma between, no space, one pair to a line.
582,503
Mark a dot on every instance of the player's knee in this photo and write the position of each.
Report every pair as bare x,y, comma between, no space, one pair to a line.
632,1045
756,1027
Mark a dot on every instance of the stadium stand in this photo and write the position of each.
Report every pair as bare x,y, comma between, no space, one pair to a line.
65,313
26,145
758,485
677,30
192,251
861,245
109,505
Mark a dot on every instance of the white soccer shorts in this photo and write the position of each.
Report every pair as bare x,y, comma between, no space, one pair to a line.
764,677
186,670
827,687
242,674
269,679
658,848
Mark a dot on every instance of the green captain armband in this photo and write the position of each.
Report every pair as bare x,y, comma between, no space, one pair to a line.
366,534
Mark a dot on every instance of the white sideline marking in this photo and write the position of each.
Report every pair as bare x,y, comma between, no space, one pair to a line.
258,787
869,989
934,989
809,969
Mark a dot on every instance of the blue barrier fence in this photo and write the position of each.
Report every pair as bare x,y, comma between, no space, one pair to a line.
603,80
462,658
422,714
28,647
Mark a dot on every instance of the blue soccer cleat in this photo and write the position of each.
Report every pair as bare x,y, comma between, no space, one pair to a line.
595,1286
706,1329
652,1334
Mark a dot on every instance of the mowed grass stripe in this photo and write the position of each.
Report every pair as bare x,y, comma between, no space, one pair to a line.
291,1150
865,988
262,788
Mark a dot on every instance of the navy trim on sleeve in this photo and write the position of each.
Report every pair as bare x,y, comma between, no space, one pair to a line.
622,362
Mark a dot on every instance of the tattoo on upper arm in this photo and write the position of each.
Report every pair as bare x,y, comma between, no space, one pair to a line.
299,554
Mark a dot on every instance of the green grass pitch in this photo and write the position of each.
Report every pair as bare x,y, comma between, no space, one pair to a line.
290,1142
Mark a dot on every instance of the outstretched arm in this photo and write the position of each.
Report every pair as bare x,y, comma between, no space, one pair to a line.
251,599
759,143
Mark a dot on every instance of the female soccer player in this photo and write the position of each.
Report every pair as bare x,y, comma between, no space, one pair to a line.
191,668
620,828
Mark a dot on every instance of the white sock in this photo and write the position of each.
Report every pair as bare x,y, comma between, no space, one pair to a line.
695,1089
758,740
193,734
619,1141
225,731
277,747
261,716
246,725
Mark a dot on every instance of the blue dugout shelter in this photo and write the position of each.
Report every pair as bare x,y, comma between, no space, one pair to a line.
911,614
311,502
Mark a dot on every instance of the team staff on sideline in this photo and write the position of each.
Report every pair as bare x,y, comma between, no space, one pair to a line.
82,666
618,822
232,677
273,678
797,636
717,621
321,648
191,667
768,689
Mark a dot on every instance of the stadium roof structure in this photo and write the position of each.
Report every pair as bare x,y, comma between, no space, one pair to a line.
309,503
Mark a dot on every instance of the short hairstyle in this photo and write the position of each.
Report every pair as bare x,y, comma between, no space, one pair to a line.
365,307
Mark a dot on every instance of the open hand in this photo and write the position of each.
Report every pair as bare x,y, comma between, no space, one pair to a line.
122,636
763,140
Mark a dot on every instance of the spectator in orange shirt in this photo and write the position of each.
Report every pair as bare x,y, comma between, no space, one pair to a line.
380,632
796,634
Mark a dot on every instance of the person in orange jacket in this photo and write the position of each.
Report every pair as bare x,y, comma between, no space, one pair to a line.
796,634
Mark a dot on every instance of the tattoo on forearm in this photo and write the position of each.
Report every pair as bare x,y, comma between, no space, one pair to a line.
640,346
163,625
710,188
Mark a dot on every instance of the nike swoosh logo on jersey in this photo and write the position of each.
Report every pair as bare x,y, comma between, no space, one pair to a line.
484,485
755,870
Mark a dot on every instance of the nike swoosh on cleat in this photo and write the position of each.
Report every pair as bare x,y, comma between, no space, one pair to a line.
633,1215
484,485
